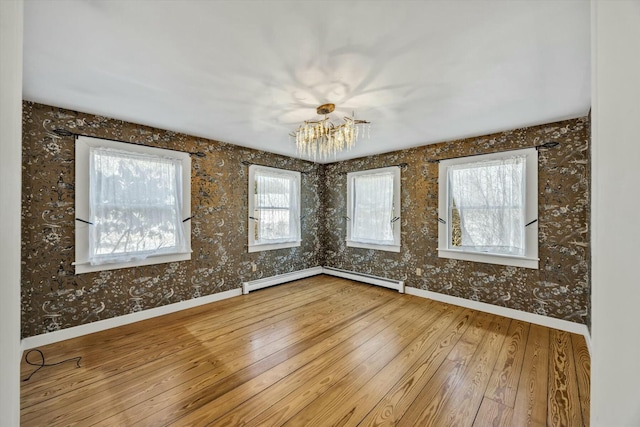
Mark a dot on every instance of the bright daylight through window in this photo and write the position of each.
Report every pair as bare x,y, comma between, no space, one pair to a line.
373,210
274,208
488,208
131,201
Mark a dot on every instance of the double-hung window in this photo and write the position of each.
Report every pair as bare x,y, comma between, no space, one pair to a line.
373,209
274,208
131,205
488,208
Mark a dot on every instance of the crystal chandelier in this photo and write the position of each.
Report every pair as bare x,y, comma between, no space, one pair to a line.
323,138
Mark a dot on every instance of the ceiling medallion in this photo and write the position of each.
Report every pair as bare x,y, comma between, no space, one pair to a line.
322,138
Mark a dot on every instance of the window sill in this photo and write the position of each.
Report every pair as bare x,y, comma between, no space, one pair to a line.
272,246
363,245
86,267
509,260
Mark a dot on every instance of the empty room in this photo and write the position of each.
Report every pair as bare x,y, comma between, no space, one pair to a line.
320,213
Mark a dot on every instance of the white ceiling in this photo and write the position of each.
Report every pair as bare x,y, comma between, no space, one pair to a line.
247,72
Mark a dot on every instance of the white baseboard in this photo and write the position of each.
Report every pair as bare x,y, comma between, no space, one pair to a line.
587,338
397,285
550,322
254,285
101,325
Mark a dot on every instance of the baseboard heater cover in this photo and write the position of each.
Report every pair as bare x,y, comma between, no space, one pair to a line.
254,285
397,285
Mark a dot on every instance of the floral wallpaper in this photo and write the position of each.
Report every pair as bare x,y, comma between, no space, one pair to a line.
561,286
53,297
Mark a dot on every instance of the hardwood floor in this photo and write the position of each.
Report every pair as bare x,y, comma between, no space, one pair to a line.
321,351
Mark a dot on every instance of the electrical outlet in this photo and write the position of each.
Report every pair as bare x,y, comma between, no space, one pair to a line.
418,272
254,267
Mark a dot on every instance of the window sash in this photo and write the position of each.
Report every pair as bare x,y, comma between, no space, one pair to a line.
274,225
489,198
373,200
519,208
500,184
373,209
274,190
135,206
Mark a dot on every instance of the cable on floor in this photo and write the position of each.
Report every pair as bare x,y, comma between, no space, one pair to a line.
42,363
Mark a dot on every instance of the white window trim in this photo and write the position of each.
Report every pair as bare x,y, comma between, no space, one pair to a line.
254,246
395,247
530,260
83,145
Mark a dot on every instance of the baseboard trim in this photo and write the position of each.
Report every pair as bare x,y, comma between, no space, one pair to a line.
550,322
397,285
101,325
278,279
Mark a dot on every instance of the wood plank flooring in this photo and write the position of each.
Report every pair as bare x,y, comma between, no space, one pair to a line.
322,351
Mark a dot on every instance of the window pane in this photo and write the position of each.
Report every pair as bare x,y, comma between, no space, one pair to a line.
373,208
274,224
135,206
276,206
486,206
273,191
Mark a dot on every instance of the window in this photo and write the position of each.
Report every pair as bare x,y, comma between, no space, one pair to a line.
373,209
488,208
131,203
274,208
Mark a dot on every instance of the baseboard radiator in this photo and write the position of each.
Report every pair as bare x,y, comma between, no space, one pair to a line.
397,285
254,285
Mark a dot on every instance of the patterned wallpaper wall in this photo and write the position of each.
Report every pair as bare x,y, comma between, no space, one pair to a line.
53,297
560,288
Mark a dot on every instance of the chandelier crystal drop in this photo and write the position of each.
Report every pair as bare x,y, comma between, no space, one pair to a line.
322,138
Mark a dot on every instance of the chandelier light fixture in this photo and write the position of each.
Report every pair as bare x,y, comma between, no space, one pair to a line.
322,138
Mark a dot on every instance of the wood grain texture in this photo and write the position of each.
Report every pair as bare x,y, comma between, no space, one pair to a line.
127,338
583,374
462,407
402,395
564,405
358,404
231,370
262,334
320,351
455,395
441,386
504,380
316,376
493,414
531,398
336,405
